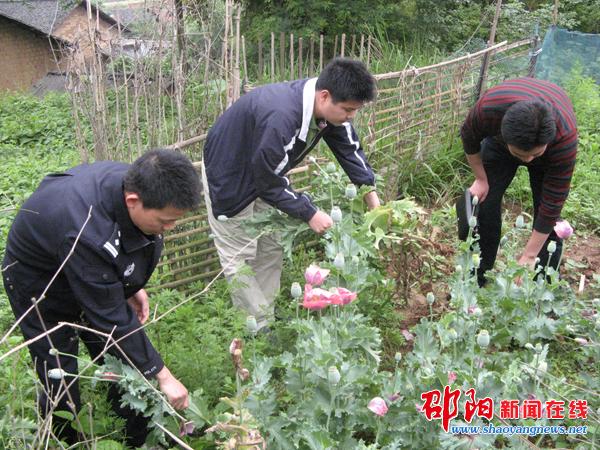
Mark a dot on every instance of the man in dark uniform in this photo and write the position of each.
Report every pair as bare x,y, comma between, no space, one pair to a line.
521,122
101,283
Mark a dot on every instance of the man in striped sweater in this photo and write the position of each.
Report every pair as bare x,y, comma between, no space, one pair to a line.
521,122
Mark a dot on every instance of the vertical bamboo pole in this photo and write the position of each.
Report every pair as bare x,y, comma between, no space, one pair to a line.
362,46
292,74
486,58
369,51
237,81
282,54
320,53
245,65
555,13
335,46
343,45
300,62
260,58
353,44
272,56
311,57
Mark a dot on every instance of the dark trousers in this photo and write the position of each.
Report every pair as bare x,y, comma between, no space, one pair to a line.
65,340
500,168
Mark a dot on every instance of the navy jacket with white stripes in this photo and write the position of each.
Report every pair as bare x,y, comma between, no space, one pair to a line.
111,260
263,135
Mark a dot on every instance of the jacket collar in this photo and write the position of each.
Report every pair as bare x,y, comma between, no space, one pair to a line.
132,238
308,106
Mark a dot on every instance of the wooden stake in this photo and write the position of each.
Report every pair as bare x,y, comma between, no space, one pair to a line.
369,51
281,54
335,46
353,44
320,53
272,56
555,13
311,56
300,62
260,58
486,58
362,46
292,74
343,46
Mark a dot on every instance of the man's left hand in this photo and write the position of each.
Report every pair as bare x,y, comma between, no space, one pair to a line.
139,303
372,200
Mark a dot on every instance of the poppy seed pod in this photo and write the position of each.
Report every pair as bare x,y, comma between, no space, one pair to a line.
296,290
520,222
56,374
475,200
333,376
472,221
340,261
551,246
336,214
350,192
430,298
483,339
330,168
251,324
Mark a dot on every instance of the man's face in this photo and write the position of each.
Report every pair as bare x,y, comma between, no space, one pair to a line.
148,220
337,113
527,156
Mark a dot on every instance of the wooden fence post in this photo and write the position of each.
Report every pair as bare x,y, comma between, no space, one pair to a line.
260,57
486,58
320,53
362,45
300,62
292,74
343,45
311,56
272,56
281,53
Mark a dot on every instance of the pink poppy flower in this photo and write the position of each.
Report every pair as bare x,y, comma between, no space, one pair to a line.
342,296
316,299
378,406
407,335
451,377
563,229
314,275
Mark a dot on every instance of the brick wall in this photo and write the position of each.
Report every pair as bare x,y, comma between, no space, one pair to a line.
74,28
25,56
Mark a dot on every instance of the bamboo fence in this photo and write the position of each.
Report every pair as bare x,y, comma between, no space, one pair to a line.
417,110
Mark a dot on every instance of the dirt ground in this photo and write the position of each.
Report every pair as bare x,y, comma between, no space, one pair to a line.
581,257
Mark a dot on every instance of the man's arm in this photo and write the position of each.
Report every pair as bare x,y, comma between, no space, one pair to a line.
532,248
100,294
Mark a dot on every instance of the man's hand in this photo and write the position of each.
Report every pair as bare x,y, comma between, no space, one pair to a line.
480,188
372,200
320,222
176,393
139,303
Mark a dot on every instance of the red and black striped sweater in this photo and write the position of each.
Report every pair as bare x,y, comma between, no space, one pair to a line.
485,118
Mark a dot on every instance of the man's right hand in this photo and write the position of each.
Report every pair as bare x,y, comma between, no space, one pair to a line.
176,393
480,188
320,222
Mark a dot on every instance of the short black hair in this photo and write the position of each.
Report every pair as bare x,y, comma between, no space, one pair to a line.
347,79
164,178
528,124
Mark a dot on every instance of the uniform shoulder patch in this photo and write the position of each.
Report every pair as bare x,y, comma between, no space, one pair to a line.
113,244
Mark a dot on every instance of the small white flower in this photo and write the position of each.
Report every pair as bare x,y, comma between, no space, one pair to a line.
458,268
56,374
222,218
312,159
398,357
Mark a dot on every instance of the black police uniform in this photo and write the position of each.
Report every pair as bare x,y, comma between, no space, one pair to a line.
112,260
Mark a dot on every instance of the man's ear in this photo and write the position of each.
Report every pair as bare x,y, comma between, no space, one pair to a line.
323,95
132,199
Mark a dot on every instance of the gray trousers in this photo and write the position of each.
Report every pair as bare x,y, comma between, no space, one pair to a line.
253,293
